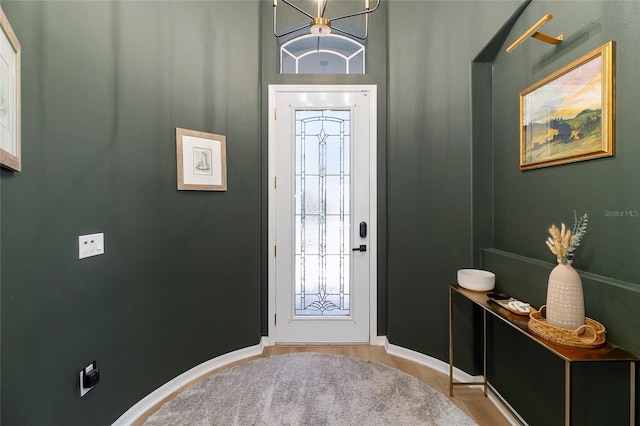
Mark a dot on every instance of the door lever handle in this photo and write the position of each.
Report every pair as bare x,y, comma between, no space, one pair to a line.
363,247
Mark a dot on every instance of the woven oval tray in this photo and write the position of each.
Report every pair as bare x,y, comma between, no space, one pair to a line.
590,335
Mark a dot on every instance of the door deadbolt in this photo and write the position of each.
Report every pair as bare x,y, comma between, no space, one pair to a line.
363,229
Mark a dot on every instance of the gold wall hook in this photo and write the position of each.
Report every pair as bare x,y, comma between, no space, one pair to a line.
533,32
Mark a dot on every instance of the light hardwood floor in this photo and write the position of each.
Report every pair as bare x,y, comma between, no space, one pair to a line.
470,400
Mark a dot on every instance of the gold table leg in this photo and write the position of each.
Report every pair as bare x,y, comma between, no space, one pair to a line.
632,393
484,350
450,342
567,393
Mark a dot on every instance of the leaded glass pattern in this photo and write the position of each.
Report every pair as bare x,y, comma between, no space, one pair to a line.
330,54
322,215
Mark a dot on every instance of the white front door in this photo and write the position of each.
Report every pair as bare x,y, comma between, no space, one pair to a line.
322,222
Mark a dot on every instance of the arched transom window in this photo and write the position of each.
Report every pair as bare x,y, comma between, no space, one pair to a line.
329,54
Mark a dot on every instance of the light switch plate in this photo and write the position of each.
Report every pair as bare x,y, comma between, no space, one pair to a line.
90,245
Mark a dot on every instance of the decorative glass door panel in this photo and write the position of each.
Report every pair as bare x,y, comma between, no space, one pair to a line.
322,191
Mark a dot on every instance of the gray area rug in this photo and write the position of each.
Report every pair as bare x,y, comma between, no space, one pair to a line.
309,389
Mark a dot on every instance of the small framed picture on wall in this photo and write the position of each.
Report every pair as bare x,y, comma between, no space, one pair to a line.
10,144
201,160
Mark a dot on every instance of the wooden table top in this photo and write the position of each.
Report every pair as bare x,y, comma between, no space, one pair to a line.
607,352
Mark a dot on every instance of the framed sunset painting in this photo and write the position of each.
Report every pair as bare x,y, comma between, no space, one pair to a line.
568,116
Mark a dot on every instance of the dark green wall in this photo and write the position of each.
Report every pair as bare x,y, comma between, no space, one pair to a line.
526,203
431,47
104,85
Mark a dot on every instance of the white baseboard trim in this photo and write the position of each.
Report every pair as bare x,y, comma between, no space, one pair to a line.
432,363
267,341
155,397
381,341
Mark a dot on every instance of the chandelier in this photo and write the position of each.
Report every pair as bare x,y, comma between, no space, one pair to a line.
319,24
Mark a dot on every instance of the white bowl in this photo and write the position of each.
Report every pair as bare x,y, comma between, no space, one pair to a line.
476,279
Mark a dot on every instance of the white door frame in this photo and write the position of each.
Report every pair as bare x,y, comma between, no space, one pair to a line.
373,199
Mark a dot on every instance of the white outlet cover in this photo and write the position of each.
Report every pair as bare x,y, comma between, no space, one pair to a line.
90,245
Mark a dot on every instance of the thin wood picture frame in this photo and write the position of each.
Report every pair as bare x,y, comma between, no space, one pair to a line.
569,115
201,160
10,103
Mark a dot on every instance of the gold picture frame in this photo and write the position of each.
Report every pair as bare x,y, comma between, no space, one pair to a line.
569,115
10,109
201,160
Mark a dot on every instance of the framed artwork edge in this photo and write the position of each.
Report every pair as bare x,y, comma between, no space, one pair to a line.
606,51
180,157
13,160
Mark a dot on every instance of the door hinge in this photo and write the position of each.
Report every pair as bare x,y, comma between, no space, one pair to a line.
275,182
275,114
275,251
275,319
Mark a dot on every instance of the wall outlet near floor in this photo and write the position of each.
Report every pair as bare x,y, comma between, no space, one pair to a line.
89,377
90,245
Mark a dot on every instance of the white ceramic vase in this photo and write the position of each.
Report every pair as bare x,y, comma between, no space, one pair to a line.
565,298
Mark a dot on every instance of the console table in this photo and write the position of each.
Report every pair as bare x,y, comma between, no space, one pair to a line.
569,354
